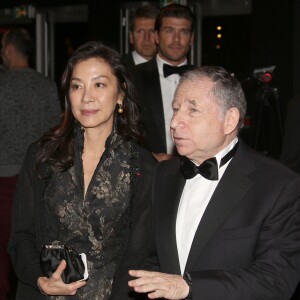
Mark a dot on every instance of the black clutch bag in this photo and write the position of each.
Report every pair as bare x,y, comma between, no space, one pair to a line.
52,255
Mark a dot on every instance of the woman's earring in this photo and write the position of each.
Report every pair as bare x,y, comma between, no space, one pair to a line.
120,109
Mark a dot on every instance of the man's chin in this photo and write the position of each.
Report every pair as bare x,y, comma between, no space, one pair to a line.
182,150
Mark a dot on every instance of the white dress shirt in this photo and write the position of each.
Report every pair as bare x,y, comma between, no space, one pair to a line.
195,197
168,86
138,59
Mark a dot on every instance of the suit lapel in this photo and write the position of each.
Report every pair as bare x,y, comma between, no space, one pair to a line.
155,102
230,191
166,216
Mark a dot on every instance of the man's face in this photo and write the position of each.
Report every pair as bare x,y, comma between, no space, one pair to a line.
142,37
198,126
174,39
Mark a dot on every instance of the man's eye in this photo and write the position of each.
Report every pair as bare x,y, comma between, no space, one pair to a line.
185,32
193,110
175,110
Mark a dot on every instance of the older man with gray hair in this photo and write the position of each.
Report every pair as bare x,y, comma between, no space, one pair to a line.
226,218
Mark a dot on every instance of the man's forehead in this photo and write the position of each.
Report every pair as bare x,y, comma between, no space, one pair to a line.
184,99
194,87
183,22
193,92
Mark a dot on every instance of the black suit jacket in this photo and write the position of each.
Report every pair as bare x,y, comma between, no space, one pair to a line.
247,244
290,155
128,61
146,79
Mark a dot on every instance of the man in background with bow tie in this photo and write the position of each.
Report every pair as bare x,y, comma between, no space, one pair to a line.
226,219
157,79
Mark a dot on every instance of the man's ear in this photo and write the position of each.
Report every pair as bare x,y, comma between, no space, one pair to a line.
231,120
9,50
131,37
156,37
192,39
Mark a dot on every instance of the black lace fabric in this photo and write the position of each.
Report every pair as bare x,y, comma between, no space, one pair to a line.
97,223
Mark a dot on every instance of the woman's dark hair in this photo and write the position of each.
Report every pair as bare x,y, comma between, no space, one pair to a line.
57,146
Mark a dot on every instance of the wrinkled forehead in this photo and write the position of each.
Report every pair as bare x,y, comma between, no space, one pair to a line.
194,90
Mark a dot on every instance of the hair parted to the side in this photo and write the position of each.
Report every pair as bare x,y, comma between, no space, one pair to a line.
146,11
227,90
57,147
175,10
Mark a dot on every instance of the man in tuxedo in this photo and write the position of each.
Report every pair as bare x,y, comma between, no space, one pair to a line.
226,219
141,35
157,79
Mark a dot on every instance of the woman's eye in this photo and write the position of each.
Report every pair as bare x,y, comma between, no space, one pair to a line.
99,84
74,86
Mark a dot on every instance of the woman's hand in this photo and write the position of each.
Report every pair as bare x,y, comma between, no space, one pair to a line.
55,285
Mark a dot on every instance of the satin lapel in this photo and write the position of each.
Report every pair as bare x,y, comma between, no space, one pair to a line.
166,218
230,191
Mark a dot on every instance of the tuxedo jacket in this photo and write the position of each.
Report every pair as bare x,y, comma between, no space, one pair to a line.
247,245
146,79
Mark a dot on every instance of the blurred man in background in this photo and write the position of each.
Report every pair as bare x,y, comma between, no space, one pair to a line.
141,35
29,105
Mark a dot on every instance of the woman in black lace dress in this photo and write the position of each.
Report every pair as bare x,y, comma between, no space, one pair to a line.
86,184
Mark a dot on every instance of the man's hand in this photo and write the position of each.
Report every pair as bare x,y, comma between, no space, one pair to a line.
55,285
162,156
159,285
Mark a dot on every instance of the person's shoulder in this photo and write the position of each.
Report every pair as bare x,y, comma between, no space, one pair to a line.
147,157
34,147
127,57
267,166
147,66
169,165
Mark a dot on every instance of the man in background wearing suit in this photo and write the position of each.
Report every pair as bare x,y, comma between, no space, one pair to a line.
157,79
226,218
141,35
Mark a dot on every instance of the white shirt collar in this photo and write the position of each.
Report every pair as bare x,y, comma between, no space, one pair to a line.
223,152
137,58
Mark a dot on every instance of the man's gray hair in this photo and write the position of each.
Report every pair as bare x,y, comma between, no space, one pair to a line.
227,90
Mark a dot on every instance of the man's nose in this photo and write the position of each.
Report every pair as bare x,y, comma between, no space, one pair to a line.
148,35
176,36
176,121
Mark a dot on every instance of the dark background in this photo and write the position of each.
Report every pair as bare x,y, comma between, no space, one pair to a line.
269,35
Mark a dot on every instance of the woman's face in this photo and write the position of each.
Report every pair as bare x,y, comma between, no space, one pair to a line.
94,94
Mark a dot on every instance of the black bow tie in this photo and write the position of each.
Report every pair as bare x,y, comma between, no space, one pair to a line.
169,70
208,169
